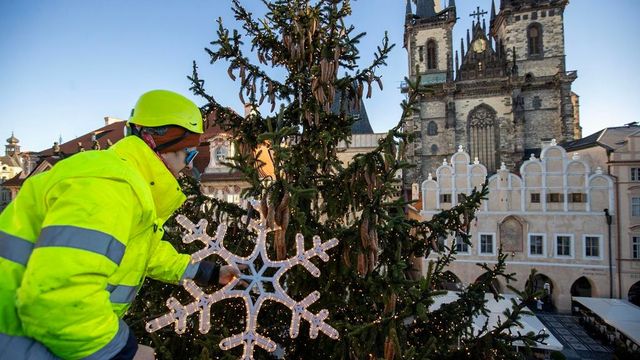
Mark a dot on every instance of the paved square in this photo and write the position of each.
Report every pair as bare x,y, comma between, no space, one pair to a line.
578,345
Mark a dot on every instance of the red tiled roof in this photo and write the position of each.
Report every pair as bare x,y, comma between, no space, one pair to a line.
14,181
112,132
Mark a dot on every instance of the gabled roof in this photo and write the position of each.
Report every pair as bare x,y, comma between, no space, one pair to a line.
611,138
10,160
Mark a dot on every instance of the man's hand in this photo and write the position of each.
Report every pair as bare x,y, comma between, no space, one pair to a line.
228,273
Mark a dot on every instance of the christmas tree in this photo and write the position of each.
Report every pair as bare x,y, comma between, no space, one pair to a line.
303,59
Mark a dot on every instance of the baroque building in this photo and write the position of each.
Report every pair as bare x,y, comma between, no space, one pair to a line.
502,92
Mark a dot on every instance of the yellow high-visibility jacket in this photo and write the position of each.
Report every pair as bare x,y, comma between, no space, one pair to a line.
77,243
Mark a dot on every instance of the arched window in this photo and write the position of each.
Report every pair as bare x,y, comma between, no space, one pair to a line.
534,37
434,149
483,136
431,55
432,128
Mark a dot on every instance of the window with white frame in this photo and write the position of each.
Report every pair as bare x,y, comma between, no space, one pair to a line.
487,244
635,206
635,174
564,245
461,246
593,246
635,247
536,245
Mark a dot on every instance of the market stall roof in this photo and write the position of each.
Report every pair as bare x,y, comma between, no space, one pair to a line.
530,323
620,314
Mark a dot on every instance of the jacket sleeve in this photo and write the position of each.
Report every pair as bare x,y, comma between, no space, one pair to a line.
167,265
63,302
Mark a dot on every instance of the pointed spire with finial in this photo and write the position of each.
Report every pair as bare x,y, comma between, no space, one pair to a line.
484,26
468,40
408,12
452,3
493,10
462,48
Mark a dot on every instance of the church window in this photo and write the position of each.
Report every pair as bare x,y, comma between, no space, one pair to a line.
432,128
534,15
525,17
517,17
431,55
635,174
445,198
552,12
483,136
537,102
434,149
635,247
534,37
421,53
543,13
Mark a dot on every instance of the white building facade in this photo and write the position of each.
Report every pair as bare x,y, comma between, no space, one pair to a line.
550,216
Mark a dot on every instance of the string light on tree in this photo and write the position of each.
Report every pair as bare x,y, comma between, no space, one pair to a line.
263,279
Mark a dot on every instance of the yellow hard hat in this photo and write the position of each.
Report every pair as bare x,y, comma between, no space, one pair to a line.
162,108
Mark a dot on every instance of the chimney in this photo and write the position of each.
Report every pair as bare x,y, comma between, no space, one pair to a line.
108,120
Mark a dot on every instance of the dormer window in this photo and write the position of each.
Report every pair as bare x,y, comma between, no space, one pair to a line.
221,153
534,38
431,55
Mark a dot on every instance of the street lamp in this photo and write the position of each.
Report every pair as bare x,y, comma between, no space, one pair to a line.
609,219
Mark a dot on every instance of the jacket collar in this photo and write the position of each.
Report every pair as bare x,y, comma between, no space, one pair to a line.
166,192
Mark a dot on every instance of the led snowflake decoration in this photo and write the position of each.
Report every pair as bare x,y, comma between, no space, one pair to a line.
263,280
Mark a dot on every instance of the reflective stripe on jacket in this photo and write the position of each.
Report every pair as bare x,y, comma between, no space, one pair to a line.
77,243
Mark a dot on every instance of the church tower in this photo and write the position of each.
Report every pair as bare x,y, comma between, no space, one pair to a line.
499,96
428,41
532,34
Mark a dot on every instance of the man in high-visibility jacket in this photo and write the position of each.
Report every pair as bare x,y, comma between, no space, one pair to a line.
79,239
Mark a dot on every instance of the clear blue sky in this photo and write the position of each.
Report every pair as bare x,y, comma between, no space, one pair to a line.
65,64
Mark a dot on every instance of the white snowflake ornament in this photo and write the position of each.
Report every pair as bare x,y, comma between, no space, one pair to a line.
263,277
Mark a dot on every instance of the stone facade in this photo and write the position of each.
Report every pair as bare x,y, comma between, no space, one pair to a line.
549,216
504,92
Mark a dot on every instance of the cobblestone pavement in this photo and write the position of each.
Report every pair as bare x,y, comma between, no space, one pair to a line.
577,343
